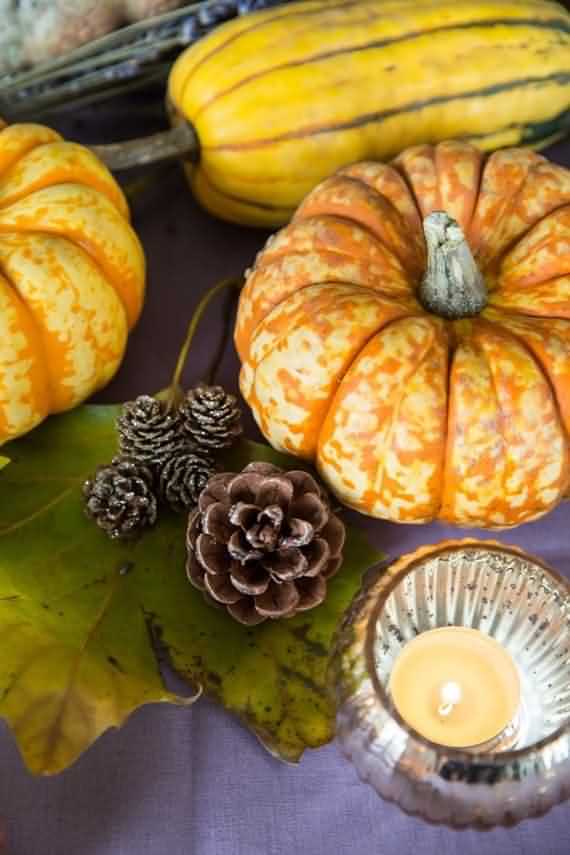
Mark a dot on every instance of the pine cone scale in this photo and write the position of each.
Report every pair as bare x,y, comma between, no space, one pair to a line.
245,612
219,587
274,490
286,564
215,521
244,515
195,572
334,533
244,488
310,508
319,556
211,554
249,580
301,533
278,601
240,549
312,593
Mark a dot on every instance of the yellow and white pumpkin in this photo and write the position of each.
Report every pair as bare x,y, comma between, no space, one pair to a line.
72,275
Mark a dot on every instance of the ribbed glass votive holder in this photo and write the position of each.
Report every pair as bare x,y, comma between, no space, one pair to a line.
507,595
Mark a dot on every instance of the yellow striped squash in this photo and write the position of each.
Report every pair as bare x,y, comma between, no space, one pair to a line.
284,97
71,276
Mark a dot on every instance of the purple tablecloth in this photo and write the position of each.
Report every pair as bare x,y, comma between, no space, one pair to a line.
192,781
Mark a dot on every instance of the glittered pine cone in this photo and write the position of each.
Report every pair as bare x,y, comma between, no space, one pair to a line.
211,417
263,543
120,498
149,432
183,477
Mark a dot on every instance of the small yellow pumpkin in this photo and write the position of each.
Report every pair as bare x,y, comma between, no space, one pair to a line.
72,275
409,331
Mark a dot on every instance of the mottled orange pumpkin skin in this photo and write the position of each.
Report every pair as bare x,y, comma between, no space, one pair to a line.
72,275
407,416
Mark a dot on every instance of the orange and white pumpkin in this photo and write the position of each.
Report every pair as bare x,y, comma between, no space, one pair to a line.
372,345
71,276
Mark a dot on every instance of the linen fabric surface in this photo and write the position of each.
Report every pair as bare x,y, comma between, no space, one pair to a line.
177,781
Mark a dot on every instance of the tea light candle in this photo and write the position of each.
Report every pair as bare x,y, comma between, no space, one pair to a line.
456,686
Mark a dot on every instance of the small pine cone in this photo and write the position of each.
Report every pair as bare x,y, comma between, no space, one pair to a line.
149,432
263,543
183,477
119,498
211,417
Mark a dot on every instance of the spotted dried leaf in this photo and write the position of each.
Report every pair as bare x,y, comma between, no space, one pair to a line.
77,611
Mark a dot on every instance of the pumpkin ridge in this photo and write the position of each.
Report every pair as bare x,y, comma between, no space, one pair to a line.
83,351
106,185
65,227
391,297
449,487
24,131
496,261
37,333
434,323
398,406
253,367
498,296
350,259
505,286
326,218
535,356
512,310
342,374
501,431
399,167
358,289
80,245
370,199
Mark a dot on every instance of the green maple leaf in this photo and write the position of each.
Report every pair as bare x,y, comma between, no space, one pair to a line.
77,610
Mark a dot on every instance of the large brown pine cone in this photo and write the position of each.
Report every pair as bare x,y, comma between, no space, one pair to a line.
263,542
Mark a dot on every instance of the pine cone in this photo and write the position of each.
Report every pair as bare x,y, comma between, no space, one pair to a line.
263,542
149,432
119,498
183,477
211,417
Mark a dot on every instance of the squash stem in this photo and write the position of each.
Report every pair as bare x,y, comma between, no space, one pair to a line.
175,390
453,286
179,141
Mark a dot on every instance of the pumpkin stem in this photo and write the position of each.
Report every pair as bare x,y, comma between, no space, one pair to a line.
173,394
453,286
179,141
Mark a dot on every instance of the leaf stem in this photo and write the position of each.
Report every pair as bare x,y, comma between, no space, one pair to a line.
217,360
174,388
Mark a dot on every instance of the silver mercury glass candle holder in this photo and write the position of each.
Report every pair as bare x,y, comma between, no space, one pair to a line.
504,593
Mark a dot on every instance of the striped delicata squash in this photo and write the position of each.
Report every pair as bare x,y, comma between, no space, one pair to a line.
282,98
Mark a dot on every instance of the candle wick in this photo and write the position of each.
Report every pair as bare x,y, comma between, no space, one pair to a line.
450,695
